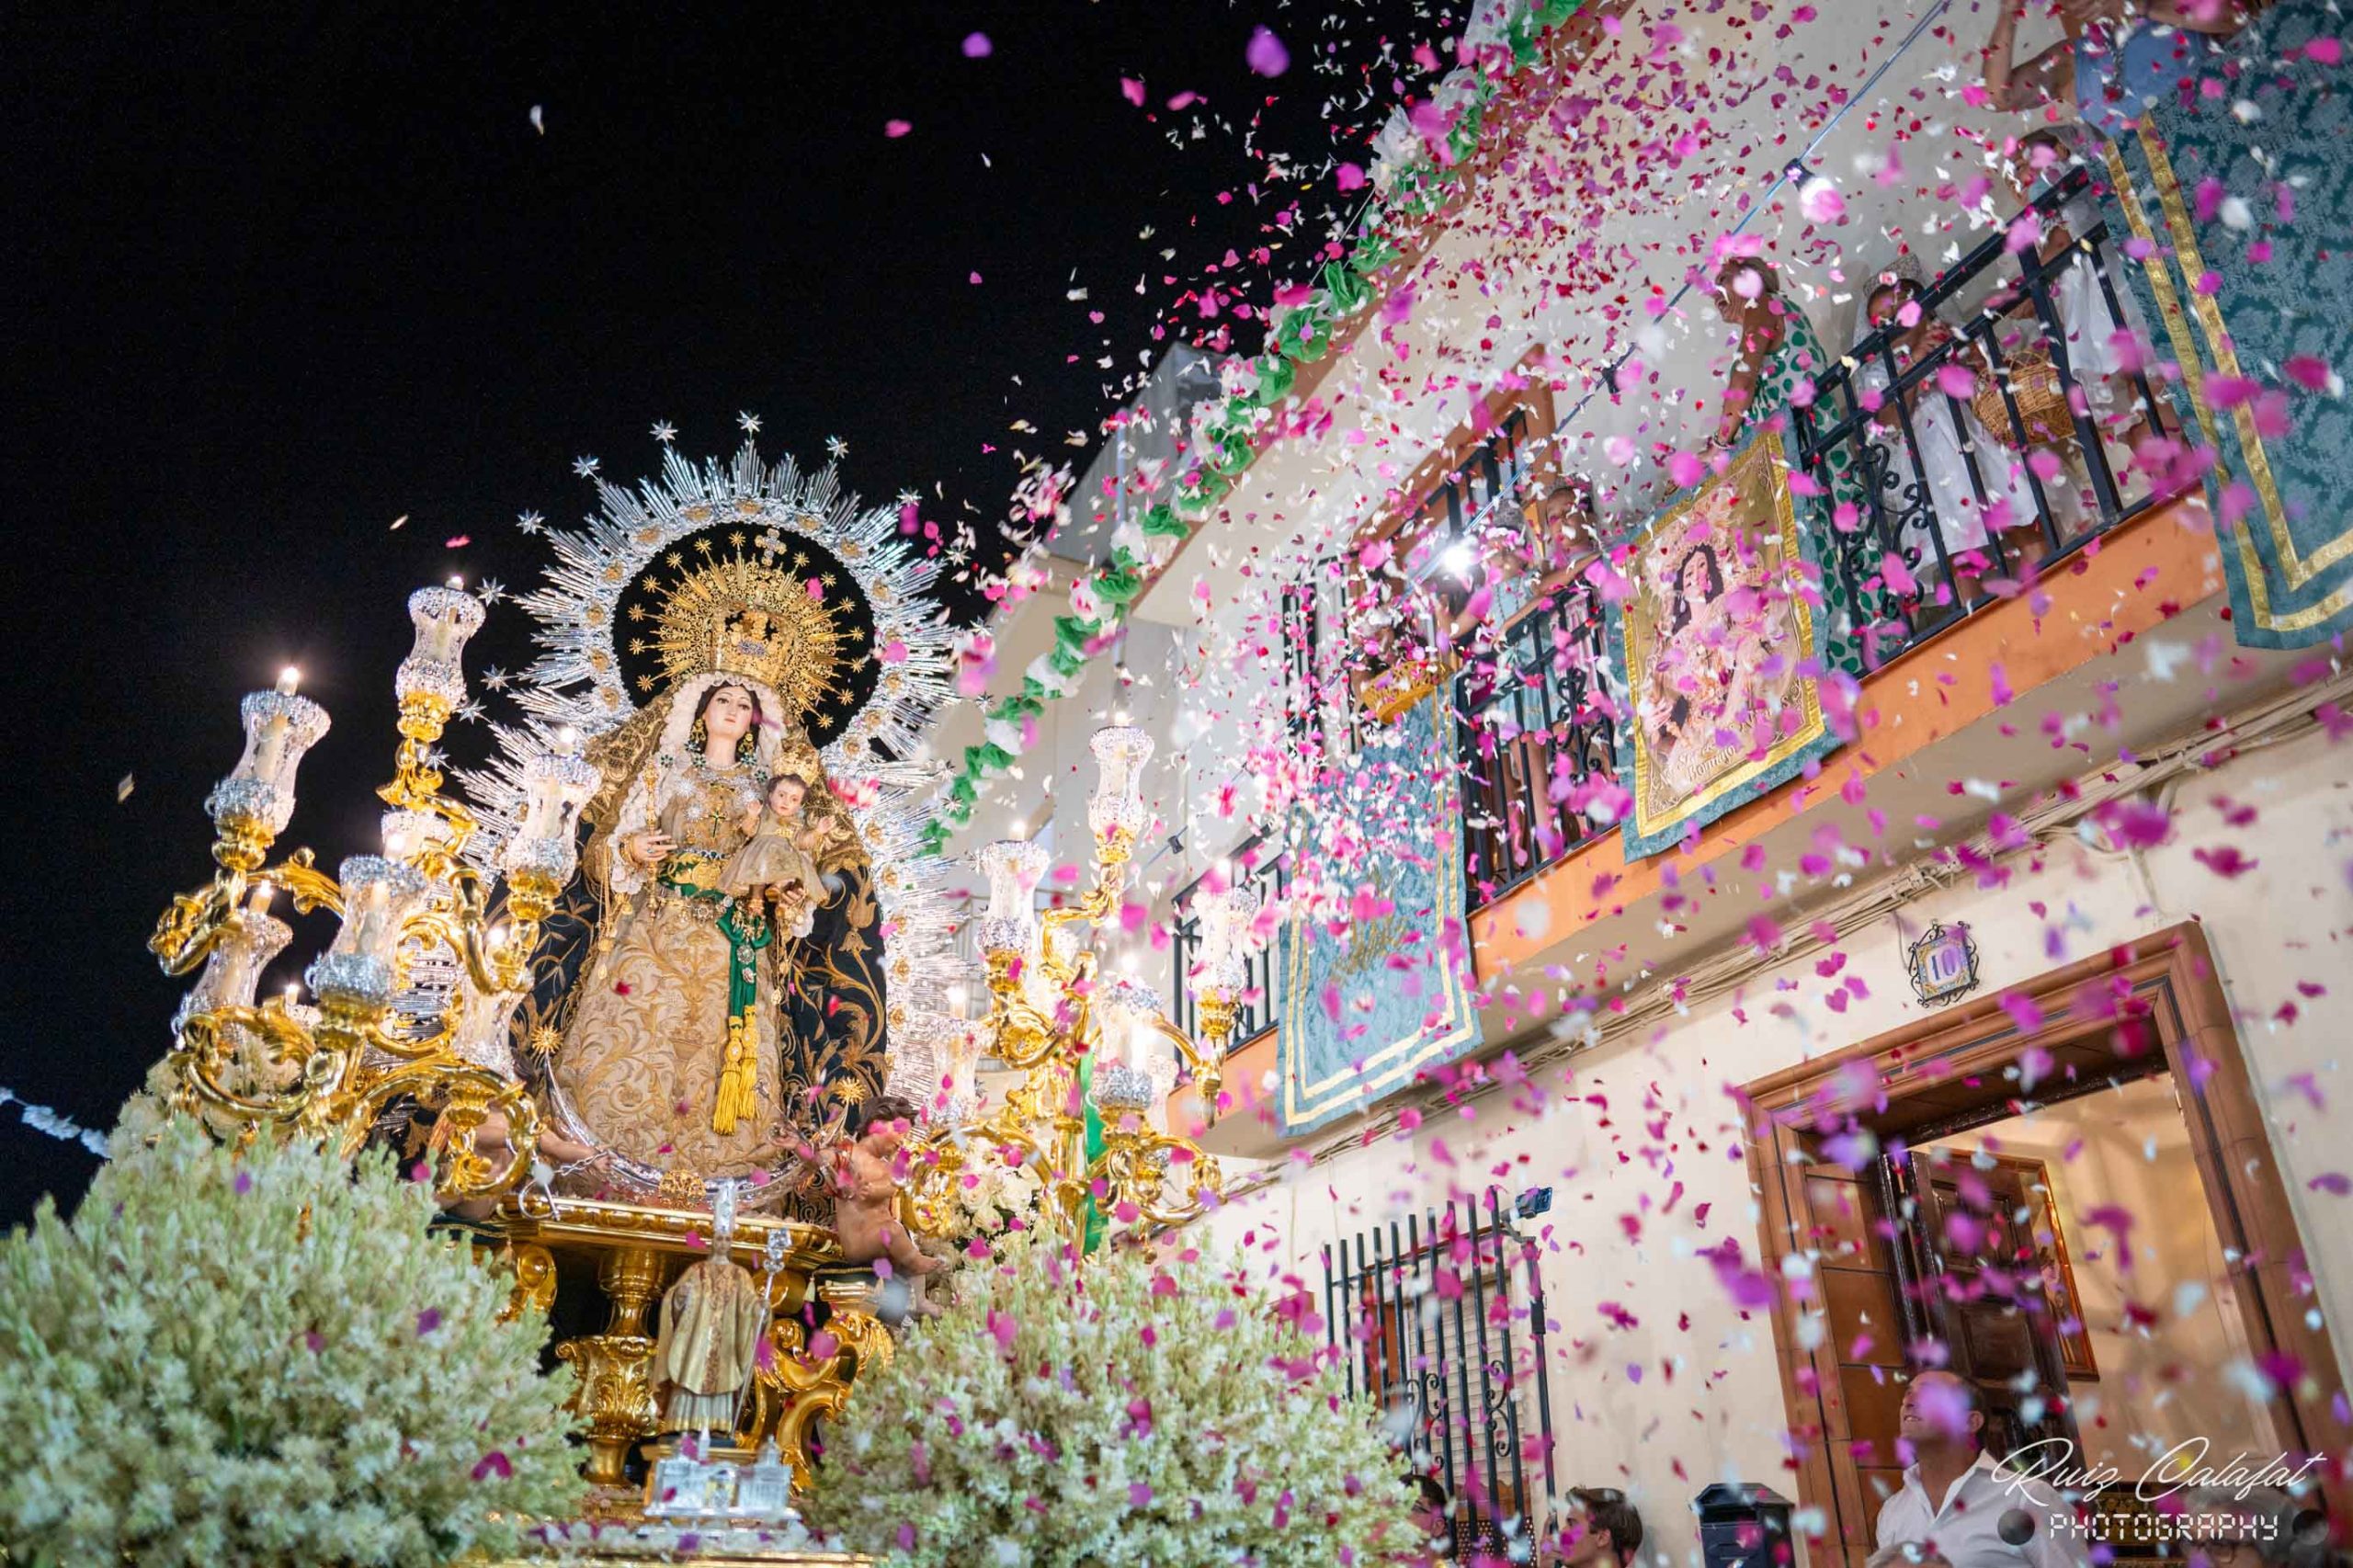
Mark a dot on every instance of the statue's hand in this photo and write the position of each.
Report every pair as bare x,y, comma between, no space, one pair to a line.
649,848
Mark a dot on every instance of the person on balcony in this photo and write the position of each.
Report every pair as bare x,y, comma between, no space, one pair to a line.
2098,362
1776,357
2115,59
1433,1531
1946,435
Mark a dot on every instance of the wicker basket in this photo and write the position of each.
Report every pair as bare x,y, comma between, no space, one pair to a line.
2041,402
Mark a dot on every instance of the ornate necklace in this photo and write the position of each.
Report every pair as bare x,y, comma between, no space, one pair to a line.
734,773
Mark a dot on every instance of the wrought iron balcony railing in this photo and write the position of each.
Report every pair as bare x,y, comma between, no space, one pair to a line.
1937,503
1944,498
1938,493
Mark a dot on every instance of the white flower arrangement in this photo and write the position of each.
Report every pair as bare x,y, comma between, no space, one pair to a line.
991,1197
263,1357
1131,1410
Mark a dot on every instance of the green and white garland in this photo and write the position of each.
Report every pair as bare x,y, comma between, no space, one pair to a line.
1233,429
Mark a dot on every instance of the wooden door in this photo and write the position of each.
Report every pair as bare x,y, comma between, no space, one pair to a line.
1971,1226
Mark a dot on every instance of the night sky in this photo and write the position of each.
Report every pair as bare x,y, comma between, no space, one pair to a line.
276,278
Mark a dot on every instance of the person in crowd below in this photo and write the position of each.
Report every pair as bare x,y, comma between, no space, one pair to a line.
1956,1503
2098,361
1946,443
2117,58
1433,1533
1591,1527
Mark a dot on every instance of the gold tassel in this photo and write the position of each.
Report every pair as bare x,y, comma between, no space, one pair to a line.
739,1078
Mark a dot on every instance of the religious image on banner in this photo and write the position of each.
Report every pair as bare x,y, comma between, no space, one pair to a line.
1373,988
1715,640
2253,304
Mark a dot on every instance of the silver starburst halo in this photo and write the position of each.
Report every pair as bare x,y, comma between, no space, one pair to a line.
574,690
577,678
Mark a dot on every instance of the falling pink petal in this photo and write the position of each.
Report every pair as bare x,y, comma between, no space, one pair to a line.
1266,53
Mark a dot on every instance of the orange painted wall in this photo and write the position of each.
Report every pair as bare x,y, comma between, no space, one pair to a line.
2120,585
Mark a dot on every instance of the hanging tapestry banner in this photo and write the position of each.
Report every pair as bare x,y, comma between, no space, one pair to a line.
1713,640
1374,993
2250,300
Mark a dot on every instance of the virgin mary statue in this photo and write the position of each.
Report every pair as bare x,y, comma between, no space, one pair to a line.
706,633
670,1056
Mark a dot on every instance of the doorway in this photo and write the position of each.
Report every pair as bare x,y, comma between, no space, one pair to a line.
1965,1189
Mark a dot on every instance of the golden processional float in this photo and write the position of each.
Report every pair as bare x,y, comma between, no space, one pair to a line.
544,984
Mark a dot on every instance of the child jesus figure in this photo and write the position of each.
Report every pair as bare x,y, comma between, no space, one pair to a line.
776,864
866,1199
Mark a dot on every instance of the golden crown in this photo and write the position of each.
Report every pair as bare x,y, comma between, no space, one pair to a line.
746,644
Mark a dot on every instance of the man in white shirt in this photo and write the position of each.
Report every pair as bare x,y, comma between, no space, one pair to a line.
1959,1504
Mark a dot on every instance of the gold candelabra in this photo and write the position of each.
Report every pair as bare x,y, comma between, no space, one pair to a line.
1081,1034
329,1072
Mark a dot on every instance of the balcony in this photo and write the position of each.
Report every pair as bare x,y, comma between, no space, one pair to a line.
1965,463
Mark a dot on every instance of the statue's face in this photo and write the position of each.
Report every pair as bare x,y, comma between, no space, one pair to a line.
728,717
786,794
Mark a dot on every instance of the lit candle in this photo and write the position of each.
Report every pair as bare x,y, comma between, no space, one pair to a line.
445,619
279,727
1138,1064
378,898
556,784
289,679
269,748
406,833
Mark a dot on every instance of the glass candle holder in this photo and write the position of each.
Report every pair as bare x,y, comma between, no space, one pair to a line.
1117,806
1013,866
1128,1012
1226,916
556,784
279,728
378,898
409,834
444,619
232,971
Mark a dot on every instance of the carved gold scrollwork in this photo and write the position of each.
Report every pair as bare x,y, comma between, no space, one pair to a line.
534,1290
806,1379
208,1068
186,933
616,1391
308,886
1139,1166
615,1397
